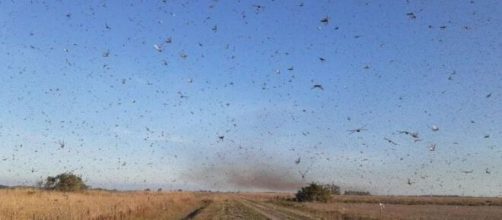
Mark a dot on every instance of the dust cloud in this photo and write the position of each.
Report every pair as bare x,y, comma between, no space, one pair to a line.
247,177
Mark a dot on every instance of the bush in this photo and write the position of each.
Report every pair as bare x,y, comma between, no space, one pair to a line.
64,182
313,192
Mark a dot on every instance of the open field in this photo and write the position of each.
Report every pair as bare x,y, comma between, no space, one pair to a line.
35,204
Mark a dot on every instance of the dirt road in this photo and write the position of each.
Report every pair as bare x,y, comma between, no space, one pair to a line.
248,209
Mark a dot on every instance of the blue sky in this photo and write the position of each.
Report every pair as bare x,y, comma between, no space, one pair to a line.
135,110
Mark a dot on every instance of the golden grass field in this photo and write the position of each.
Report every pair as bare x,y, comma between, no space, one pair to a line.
37,204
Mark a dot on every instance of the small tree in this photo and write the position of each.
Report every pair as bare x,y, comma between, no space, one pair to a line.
64,182
313,192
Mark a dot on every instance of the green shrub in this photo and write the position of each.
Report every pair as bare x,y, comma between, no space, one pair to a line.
64,182
313,192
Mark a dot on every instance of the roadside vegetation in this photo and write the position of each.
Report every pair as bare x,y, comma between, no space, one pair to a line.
33,203
314,193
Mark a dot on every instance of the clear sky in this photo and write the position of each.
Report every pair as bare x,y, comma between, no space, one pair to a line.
254,95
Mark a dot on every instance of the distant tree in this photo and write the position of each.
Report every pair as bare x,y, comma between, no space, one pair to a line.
159,190
64,182
313,192
357,193
147,190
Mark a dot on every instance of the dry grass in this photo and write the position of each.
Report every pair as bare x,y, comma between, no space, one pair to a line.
404,207
421,200
36,204
397,211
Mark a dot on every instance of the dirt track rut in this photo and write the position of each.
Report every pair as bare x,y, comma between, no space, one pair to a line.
247,209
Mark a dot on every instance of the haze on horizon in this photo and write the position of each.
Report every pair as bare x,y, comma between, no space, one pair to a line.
393,97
